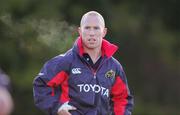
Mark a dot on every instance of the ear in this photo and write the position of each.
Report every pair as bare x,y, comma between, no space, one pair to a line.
79,31
104,32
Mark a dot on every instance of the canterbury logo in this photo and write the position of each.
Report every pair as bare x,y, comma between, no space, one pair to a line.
76,70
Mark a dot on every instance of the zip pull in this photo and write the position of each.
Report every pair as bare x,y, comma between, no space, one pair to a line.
94,75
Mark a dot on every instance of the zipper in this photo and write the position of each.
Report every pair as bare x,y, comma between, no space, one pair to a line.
94,72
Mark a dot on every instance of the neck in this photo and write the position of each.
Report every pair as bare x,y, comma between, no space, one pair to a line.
93,53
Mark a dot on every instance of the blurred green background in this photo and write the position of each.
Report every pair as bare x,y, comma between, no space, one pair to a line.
147,33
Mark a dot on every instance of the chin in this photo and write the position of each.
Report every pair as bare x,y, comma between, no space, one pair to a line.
92,46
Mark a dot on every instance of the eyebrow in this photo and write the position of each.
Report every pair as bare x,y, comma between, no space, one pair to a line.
91,26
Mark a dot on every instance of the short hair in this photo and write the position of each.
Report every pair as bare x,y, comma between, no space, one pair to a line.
92,13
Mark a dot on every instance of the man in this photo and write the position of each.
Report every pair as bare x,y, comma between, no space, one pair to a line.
6,103
86,80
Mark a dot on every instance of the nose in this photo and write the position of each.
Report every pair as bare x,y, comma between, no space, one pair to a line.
91,32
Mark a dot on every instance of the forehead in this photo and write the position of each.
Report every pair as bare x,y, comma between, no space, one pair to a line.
92,20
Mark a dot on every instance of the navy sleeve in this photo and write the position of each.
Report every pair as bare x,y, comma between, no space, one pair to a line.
42,92
121,96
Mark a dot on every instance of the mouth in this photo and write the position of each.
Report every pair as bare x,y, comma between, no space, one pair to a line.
91,39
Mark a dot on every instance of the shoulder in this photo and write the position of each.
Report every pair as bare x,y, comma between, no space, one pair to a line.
4,80
118,65
60,61
116,62
119,69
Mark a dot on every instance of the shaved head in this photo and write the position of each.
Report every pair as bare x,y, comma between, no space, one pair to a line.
92,13
92,30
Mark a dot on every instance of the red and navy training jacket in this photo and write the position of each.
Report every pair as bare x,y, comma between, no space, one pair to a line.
67,77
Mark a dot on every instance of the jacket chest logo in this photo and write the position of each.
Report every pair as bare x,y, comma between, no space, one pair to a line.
76,70
110,74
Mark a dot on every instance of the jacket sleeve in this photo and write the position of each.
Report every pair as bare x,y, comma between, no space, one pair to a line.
121,97
46,87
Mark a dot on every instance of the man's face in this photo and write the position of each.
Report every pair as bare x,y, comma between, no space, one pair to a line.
92,31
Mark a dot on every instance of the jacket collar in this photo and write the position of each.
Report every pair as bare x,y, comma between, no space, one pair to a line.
107,48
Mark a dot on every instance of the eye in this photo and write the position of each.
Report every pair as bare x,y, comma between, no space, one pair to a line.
96,28
86,27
